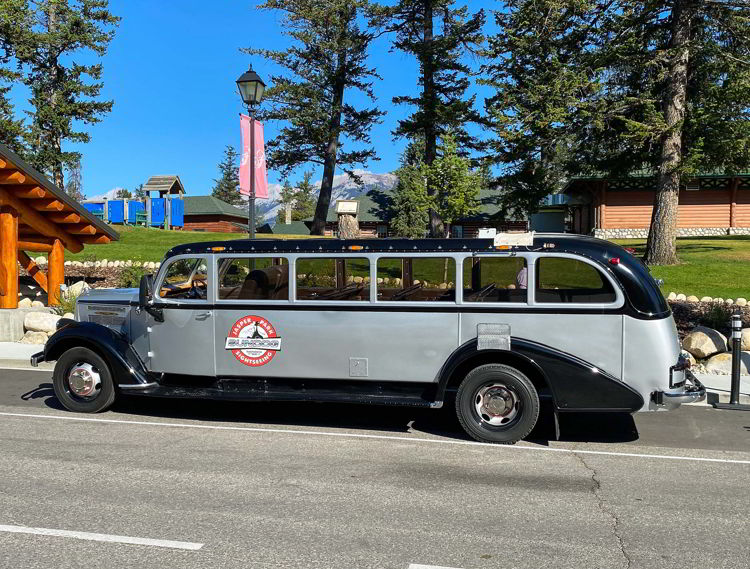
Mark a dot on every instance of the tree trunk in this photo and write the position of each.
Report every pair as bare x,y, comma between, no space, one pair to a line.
429,101
661,248
53,137
329,163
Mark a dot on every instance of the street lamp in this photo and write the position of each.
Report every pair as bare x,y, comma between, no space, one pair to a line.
251,88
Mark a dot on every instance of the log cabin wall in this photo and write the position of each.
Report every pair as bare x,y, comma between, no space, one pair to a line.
214,223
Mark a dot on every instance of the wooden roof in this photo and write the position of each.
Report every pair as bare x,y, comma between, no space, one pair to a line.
164,185
45,211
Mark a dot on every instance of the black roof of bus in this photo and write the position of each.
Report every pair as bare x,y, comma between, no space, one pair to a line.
642,292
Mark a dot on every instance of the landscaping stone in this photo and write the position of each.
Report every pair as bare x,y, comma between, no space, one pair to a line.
704,342
37,303
690,357
31,337
722,363
40,322
24,303
728,301
741,301
680,297
76,289
672,296
692,298
707,299
718,300
40,260
69,316
11,325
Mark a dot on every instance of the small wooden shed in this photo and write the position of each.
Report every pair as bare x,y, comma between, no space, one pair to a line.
37,216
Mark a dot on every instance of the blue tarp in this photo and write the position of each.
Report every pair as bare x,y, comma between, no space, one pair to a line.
157,211
116,211
133,208
178,213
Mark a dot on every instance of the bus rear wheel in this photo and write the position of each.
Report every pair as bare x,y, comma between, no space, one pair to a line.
496,403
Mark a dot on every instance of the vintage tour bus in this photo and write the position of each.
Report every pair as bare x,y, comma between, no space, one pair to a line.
489,325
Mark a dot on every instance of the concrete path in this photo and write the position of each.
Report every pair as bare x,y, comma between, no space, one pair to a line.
162,483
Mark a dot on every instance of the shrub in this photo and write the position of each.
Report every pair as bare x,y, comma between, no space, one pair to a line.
718,317
130,277
67,304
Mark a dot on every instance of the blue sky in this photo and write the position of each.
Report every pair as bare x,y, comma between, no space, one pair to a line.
171,71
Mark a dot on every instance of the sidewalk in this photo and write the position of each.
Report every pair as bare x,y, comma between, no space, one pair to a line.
15,355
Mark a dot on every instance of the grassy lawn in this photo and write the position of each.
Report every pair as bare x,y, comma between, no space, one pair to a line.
141,244
709,266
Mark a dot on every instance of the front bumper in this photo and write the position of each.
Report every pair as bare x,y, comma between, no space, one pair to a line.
689,391
37,358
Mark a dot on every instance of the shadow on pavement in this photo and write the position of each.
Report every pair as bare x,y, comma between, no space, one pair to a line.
587,427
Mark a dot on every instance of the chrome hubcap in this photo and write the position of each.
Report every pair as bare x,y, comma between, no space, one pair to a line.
496,404
84,380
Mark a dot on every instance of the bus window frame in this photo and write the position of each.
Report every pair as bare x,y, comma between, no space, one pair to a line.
228,302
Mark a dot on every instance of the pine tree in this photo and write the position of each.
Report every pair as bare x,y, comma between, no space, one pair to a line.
410,203
304,198
44,37
286,199
123,194
327,59
600,87
139,193
74,187
227,186
440,37
12,130
457,186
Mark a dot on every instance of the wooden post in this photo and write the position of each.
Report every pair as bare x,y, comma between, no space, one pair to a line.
603,207
733,202
55,273
33,270
8,258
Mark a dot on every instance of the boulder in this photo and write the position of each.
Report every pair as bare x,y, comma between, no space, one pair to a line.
110,264
40,322
357,280
728,301
707,299
24,303
128,263
40,260
104,262
689,356
672,296
443,286
116,264
397,281
37,303
67,263
69,316
704,342
722,364
692,298
31,337
76,289
11,325
718,300
97,264
680,297
137,264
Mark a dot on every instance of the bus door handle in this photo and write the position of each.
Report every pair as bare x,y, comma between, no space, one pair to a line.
203,316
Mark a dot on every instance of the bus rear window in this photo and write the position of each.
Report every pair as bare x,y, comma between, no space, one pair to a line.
569,280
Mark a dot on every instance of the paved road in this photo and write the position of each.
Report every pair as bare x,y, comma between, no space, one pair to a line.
330,486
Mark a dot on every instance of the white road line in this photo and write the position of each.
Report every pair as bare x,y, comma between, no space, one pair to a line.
45,369
499,448
418,566
103,537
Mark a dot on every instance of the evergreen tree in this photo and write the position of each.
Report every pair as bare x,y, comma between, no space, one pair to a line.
74,188
44,37
12,130
440,37
326,60
139,193
607,87
457,186
123,194
227,186
410,203
287,198
304,198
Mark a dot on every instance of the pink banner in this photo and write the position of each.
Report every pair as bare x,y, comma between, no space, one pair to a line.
259,166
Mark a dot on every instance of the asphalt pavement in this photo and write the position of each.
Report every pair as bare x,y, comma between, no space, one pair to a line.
164,483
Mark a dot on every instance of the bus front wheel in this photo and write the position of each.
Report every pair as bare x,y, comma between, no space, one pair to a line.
496,403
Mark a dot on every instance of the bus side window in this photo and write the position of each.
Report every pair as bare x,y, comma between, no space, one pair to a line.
495,279
412,279
561,279
333,278
253,278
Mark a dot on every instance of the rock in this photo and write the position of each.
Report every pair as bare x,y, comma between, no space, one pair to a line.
11,325
31,337
741,301
40,260
97,264
745,339
722,364
67,263
158,264
692,298
76,289
110,264
672,296
704,342
37,303
379,280
40,322
24,303
718,300
116,264
357,280
69,316
689,356
511,287
680,297
128,263
443,286
728,301
397,281
707,299
137,264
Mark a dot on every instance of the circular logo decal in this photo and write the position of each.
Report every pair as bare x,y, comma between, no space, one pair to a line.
253,341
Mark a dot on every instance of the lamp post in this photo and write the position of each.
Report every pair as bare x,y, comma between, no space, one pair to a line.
251,89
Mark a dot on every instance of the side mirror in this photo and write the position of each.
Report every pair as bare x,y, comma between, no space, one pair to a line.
146,298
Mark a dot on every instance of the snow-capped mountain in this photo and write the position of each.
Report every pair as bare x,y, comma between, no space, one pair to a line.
110,195
344,187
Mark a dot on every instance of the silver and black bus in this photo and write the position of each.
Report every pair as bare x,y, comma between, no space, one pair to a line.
490,325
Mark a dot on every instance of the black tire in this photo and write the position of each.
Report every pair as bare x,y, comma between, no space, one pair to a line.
101,399
521,398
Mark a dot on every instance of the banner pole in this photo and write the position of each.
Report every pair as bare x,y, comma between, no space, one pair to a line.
251,201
